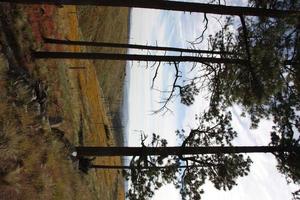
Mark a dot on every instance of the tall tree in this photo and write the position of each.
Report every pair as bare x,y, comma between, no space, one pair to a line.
170,5
267,87
221,169
131,46
153,166
178,151
131,57
186,92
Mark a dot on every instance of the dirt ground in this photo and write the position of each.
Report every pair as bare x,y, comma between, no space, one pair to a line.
77,92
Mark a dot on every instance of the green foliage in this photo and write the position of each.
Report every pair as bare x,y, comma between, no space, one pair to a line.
233,166
188,92
285,109
149,173
275,4
296,195
268,44
222,170
214,130
267,86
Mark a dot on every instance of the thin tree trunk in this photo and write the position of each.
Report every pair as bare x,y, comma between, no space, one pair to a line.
142,167
134,57
132,46
169,5
165,151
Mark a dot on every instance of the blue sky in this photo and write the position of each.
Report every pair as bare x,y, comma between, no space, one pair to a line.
174,29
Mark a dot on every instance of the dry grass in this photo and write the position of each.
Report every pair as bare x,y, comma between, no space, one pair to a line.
33,163
37,164
109,25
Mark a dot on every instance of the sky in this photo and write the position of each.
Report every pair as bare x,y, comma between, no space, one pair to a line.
175,29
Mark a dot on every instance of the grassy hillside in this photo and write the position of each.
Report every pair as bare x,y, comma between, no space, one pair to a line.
107,24
39,132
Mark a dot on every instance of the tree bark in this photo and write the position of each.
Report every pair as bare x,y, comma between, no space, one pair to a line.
132,46
141,167
179,151
169,5
134,57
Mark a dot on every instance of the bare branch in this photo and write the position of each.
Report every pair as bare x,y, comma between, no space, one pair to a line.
156,72
201,37
155,75
171,95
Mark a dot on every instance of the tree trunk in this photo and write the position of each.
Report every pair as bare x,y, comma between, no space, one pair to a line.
169,5
132,46
141,167
134,57
179,151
